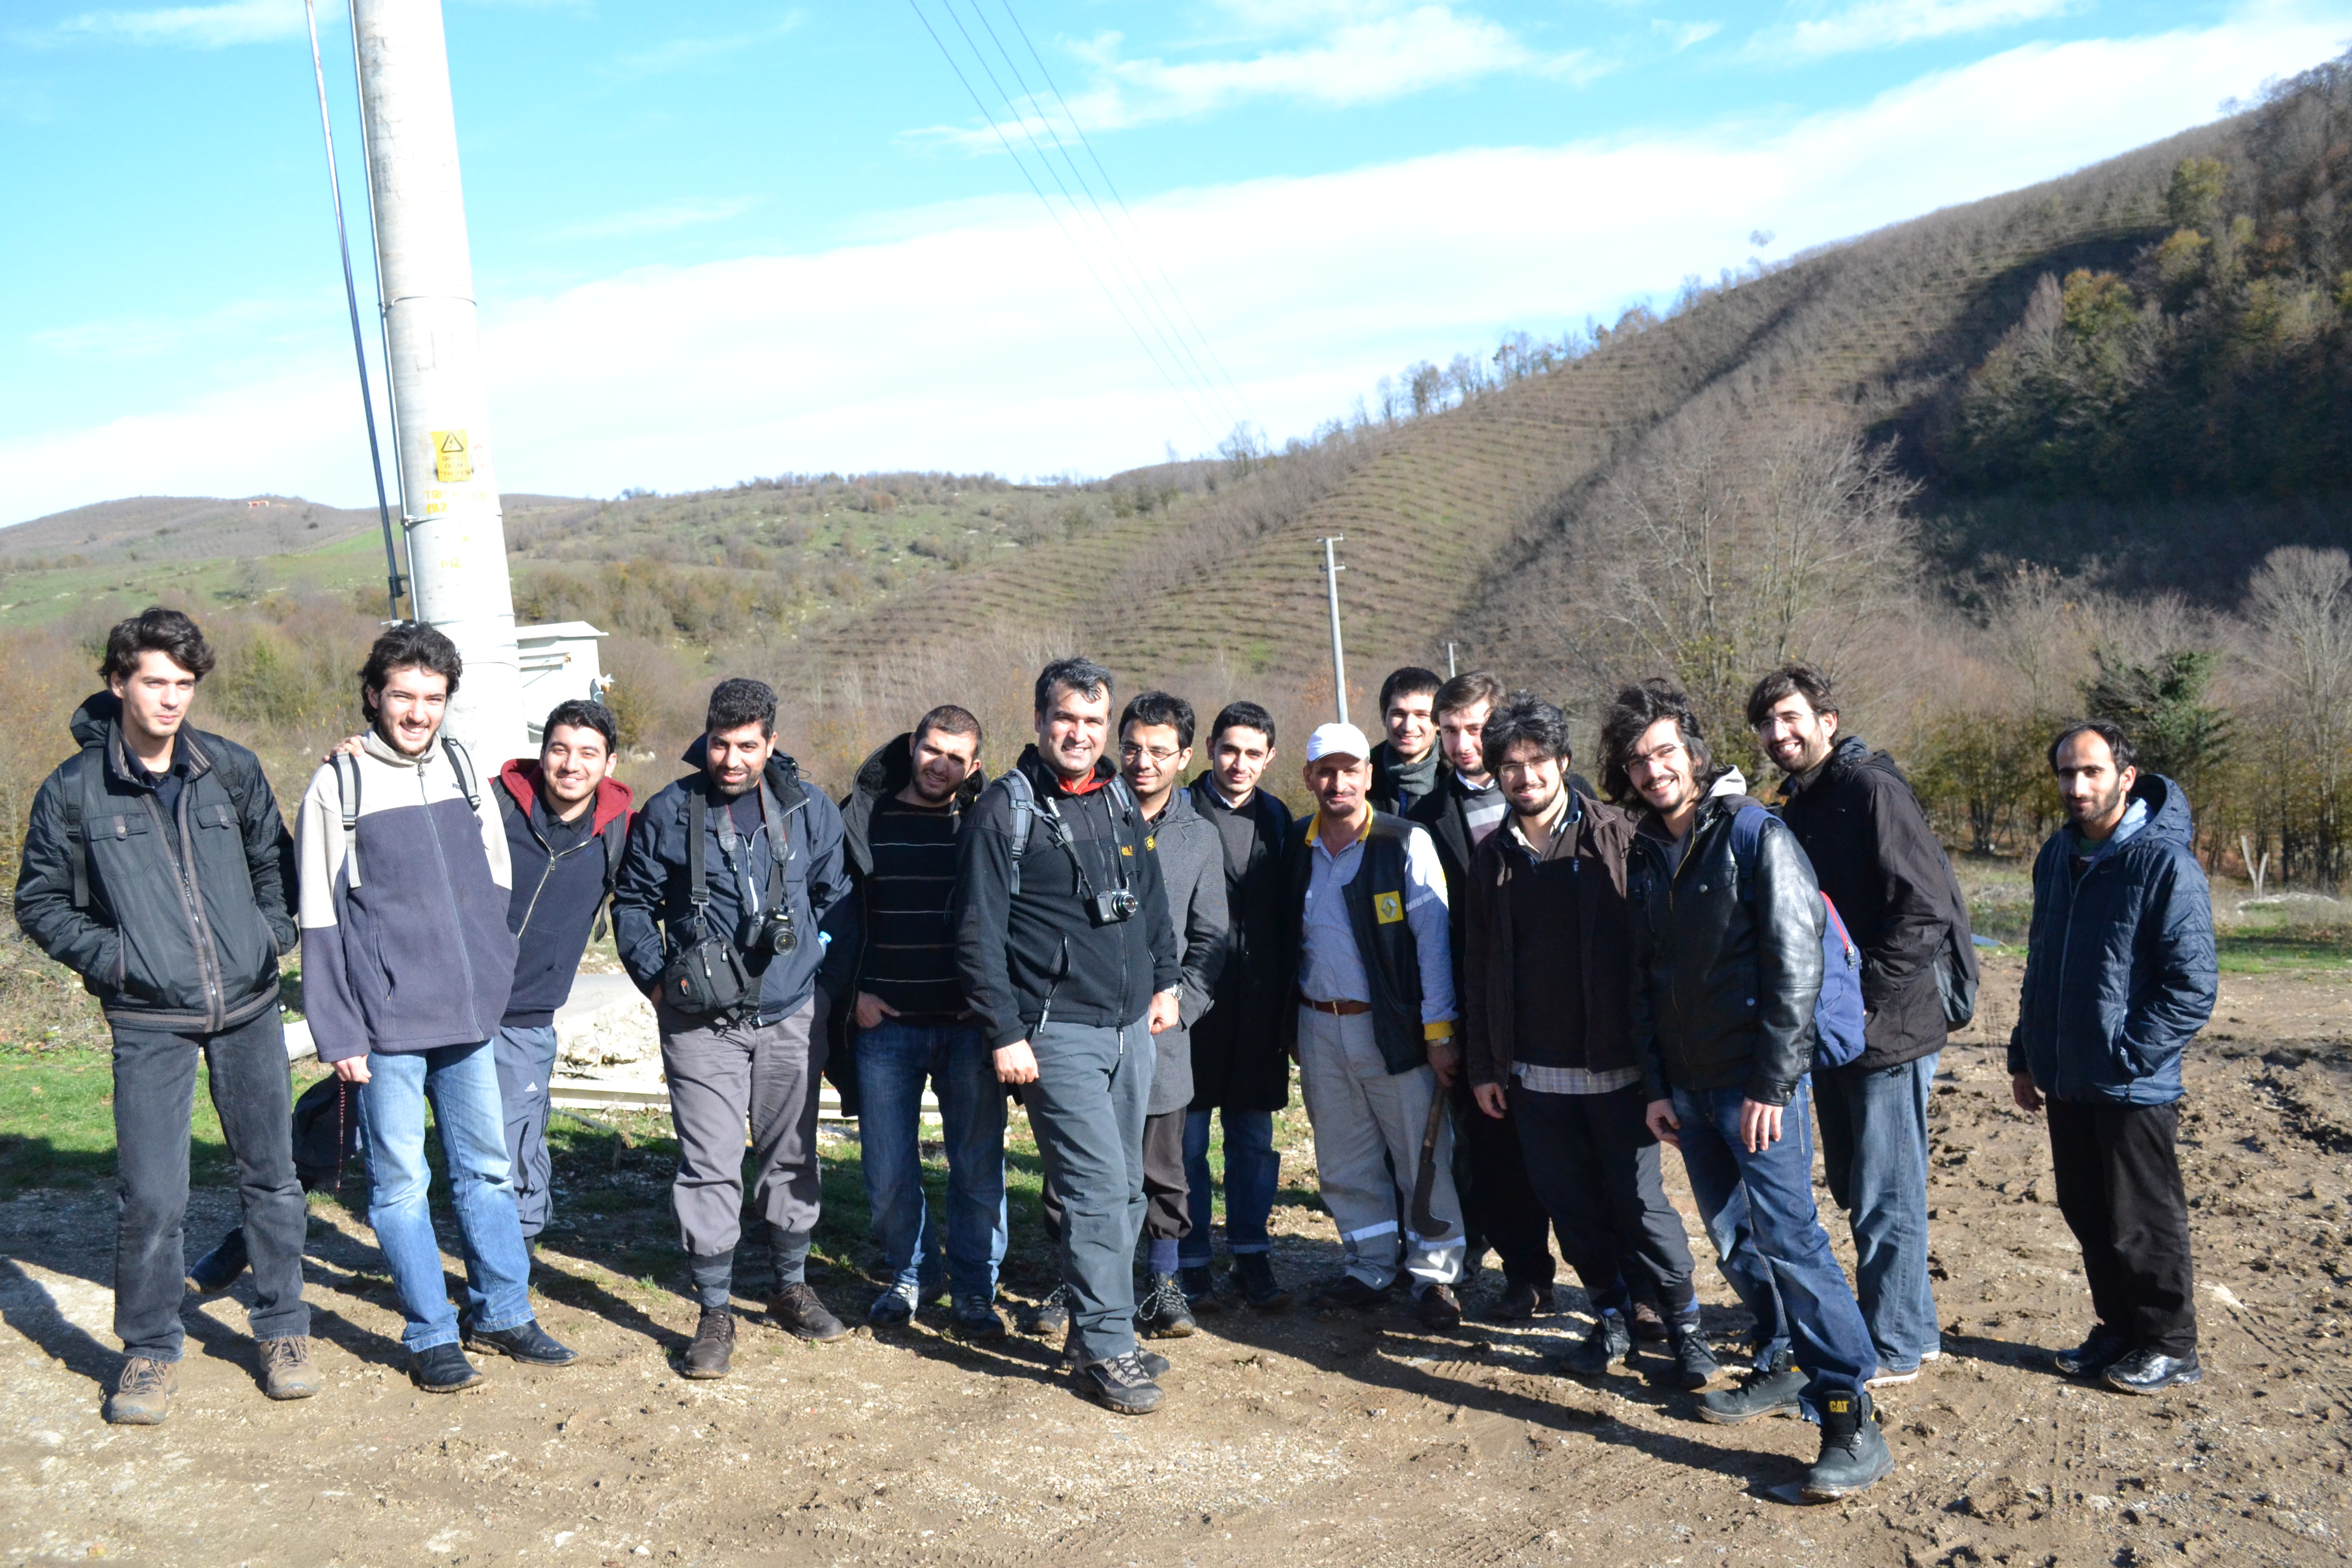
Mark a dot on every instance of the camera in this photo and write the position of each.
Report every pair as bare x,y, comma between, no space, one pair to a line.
1119,904
775,935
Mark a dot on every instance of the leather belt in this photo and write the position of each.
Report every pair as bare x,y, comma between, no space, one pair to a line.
1336,1009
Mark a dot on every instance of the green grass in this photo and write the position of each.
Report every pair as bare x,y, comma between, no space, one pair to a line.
57,1121
2281,950
35,598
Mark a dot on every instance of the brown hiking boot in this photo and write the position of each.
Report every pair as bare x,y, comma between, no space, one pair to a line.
712,1350
143,1394
287,1371
796,1310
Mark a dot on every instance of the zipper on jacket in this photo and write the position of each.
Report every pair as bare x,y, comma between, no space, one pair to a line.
199,935
449,887
547,872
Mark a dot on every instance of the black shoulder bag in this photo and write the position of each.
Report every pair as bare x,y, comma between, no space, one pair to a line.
707,977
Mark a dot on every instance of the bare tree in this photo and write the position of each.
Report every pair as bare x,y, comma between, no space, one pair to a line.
2300,608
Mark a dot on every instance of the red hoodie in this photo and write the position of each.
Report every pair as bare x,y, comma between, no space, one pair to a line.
555,896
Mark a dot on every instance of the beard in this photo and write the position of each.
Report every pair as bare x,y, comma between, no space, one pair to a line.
924,793
2098,808
731,791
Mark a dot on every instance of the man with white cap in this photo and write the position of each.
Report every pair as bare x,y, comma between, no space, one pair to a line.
1374,1031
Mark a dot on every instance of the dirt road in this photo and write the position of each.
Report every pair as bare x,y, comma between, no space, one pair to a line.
1285,1440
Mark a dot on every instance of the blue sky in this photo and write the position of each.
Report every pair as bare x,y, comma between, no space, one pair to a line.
724,239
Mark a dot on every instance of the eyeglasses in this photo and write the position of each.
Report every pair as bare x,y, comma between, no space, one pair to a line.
1130,752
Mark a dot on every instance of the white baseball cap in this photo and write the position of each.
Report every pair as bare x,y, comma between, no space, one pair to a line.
1336,740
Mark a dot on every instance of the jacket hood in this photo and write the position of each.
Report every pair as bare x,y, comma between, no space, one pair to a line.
2170,820
521,777
90,721
892,766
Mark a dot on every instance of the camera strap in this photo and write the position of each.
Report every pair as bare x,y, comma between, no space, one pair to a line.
1050,809
779,846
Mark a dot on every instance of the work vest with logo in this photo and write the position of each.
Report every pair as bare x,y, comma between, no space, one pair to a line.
1376,900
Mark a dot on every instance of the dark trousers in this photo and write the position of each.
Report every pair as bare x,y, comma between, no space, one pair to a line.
155,1090
1166,1217
1500,1207
2119,1188
1592,1160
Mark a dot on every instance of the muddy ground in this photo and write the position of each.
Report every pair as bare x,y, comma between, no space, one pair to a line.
1291,1438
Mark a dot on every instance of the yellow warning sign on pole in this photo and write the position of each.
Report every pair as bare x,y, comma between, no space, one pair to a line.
452,464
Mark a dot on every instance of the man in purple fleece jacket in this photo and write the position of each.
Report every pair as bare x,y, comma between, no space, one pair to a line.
406,965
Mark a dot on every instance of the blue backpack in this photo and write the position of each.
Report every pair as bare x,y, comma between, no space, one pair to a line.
1838,1012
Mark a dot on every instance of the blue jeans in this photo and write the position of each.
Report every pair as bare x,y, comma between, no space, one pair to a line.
1875,1149
893,1060
462,1082
1782,1238
1252,1170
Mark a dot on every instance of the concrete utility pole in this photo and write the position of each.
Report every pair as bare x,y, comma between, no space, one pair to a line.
448,484
1331,570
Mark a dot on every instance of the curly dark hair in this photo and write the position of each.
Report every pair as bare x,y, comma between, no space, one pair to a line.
738,700
155,630
1629,716
1523,717
1791,679
411,645
579,713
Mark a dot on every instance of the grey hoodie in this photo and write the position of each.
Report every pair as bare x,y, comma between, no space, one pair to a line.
1193,871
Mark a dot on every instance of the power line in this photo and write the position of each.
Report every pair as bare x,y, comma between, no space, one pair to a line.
1084,259
1096,158
1023,122
1181,344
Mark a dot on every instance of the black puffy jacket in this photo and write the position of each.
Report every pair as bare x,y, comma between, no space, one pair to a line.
186,913
1726,969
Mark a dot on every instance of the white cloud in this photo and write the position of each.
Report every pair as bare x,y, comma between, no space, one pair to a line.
980,344
1883,24
1363,55
1682,34
666,218
196,26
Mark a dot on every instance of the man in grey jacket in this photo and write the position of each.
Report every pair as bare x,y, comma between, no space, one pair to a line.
1155,748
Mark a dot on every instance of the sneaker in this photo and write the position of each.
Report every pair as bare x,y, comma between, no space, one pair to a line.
1438,1308
1889,1376
796,1310
1761,1391
1345,1294
1649,1328
2147,1372
143,1393
444,1369
893,1309
1198,1283
1609,1344
1053,1314
286,1371
2093,1355
1123,1384
1152,1361
1516,1304
1254,1277
1163,1313
1693,1358
976,1318
218,1269
525,1342
1853,1451
712,1350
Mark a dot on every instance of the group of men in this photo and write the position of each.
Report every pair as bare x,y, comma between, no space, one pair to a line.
1504,992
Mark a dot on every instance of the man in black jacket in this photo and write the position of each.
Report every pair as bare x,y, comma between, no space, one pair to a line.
770,854
1499,1207
1728,964
157,867
1405,766
1068,958
1240,1070
1878,860
902,1011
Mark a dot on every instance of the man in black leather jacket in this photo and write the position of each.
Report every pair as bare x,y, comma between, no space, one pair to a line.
1726,969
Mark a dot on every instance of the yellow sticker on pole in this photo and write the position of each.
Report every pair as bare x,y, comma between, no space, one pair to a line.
452,463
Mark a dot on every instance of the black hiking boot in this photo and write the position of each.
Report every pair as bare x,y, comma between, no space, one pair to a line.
794,1307
1053,1314
976,1318
1154,1364
1519,1303
1853,1451
525,1342
1761,1391
1438,1307
1124,1383
1254,1277
218,1269
1693,1358
1198,1283
1163,1313
444,1369
2150,1371
1609,1344
711,1351
2093,1355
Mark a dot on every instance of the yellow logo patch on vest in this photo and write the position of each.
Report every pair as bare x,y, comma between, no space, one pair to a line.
1388,907
1152,842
